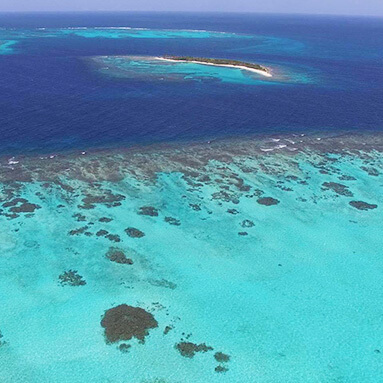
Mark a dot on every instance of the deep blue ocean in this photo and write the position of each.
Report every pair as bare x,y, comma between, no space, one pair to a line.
51,99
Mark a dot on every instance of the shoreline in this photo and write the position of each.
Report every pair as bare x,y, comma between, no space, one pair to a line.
258,71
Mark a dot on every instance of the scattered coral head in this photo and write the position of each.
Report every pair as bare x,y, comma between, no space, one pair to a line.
189,349
125,322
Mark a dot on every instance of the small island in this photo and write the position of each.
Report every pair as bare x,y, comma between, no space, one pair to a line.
220,62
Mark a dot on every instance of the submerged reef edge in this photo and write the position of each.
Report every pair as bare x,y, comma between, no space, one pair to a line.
145,161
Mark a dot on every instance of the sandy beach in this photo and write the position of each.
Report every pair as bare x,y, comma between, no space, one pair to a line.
261,72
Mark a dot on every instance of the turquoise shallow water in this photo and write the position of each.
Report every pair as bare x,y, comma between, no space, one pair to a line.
288,287
124,32
20,35
6,47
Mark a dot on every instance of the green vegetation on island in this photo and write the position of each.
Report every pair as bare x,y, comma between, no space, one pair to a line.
214,61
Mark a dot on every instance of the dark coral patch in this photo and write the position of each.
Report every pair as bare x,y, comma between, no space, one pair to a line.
337,188
346,177
108,199
78,231
102,233
286,189
14,202
113,237
117,255
232,211
267,201
25,207
71,278
221,369
173,221
258,192
134,233
148,210
195,206
225,197
105,219
244,188
79,217
125,322
360,205
221,357
243,233
167,329
124,347
2,342
11,216
188,349
247,223
370,171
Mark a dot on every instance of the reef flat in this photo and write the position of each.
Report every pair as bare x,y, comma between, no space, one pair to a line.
164,69
242,260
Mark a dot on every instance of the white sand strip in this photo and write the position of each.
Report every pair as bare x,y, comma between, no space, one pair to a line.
258,71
